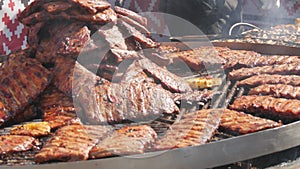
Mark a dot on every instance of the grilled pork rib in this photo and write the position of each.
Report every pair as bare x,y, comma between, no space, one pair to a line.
270,79
284,69
267,106
125,141
278,90
22,80
71,143
14,143
192,129
239,123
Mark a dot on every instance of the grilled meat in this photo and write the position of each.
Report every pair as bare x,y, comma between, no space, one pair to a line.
267,106
130,31
71,143
93,6
128,101
22,80
131,14
239,123
37,129
199,59
192,129
284,69
58,109
135,24
14,143
270,79
167,79
56,7
279,90
125,141
33,32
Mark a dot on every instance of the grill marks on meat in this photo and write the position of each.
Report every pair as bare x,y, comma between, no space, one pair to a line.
62,38
270,79
130,31
195,96
125,141
239,123
22,80
267,106
71,143
279,90
14,143
129,101
135,24
284,69
192,129
131,14
37,129
169,80
199,59
58,109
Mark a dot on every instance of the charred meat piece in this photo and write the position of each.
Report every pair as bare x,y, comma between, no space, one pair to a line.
132,15
22,80
56,7
136,74
13,143
58,117
192,129
93,6
271,79
71,143
33,38
32,111
135,24
238,123
199,59
267,106
278,90
169,80
37,129
130,31
128,101
102,17
125,141
284,69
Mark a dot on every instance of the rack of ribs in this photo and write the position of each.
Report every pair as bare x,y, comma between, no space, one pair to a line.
238,123
267,106
284,69
257,80
278,90
192,129
125,141
71,143
22,80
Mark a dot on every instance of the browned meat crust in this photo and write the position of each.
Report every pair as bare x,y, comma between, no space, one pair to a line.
169,80
93,6
270,79
205,58
239,123
22,80
56,7
125,141
130,31
278,90
135,24
196,96
267,106
13,143
71,143
192,129
34,129
284,69
128,101
132,15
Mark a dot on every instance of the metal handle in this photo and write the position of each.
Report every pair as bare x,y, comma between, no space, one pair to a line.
241,24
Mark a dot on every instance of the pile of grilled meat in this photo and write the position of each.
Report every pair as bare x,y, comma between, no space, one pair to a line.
90,68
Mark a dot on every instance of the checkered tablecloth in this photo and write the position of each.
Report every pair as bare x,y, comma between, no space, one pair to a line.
13,34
